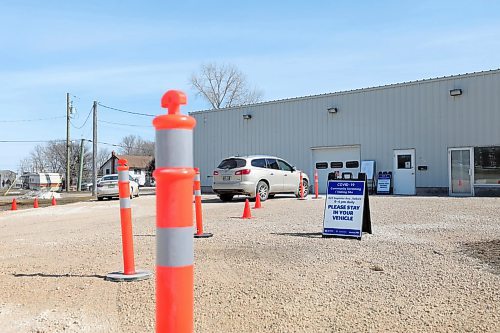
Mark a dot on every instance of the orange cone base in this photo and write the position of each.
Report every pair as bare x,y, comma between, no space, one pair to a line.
317,197
246,212
302,198
203,235
121,277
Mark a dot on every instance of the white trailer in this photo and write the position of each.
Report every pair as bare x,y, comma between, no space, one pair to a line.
48,181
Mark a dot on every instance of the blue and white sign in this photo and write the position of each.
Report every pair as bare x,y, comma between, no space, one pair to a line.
384,183
344,208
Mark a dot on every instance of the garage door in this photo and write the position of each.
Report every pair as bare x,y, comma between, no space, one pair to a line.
331,159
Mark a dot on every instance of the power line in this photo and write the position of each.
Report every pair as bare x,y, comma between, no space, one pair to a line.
86,119
31,141
30,120
125,111
121,124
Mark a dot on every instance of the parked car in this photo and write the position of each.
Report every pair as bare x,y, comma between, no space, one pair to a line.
107,187
249,175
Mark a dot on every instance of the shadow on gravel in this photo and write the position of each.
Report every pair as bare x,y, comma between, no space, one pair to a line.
299,234
144,235
59,275
487,252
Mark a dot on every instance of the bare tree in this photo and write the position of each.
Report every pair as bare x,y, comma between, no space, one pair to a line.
102,156
51,157
135,145
128,144
224,86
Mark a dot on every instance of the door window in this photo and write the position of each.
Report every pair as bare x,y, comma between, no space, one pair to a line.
404,162
336,165
272,164
352,164
460,172
284,166
322,165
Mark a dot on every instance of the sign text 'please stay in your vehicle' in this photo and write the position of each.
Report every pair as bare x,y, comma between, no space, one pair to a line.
344,208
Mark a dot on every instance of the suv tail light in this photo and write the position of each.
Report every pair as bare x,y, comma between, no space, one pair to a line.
242,172
216,173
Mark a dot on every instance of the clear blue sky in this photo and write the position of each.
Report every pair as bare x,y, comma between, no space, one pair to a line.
126,54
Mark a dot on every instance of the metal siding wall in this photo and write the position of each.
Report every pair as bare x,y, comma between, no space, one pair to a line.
420,115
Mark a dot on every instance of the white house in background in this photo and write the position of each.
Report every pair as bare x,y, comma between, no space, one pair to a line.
7,177
137,166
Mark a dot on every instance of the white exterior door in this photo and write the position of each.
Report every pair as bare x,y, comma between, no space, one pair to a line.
460,166
404,172
333,159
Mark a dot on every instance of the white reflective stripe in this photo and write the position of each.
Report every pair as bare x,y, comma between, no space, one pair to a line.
123,176
174,148
174,246
125,202
197,177
197,192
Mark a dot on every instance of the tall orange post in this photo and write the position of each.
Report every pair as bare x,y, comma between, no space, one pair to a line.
129,272
174,176
197,202
316,185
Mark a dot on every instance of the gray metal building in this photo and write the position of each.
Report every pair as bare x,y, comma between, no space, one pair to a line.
438,135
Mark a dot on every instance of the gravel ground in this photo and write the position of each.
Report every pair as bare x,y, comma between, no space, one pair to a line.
432,265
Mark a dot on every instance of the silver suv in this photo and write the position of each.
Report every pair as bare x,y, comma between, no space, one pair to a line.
249,175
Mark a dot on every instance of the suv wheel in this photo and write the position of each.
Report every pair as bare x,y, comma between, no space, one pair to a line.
262,190
226,197
305,184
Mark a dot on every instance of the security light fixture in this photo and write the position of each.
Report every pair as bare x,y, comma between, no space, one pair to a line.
247,116
455,92
332,110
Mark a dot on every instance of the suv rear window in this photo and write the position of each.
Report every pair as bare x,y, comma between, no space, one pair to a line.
232,163
109,178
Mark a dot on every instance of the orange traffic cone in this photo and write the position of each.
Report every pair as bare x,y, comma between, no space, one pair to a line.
257,202
54,201
14,204
246,213
35,203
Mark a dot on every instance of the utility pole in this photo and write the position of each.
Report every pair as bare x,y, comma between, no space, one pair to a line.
68,150
80,171
94,152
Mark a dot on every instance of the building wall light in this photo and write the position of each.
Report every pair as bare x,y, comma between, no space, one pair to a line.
332,110
455,92
247,116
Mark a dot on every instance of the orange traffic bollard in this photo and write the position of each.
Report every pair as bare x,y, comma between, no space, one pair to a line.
247,214
14,204
35,203
301,187
257,202
197,202
54,202
174,176
129,273
316,185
